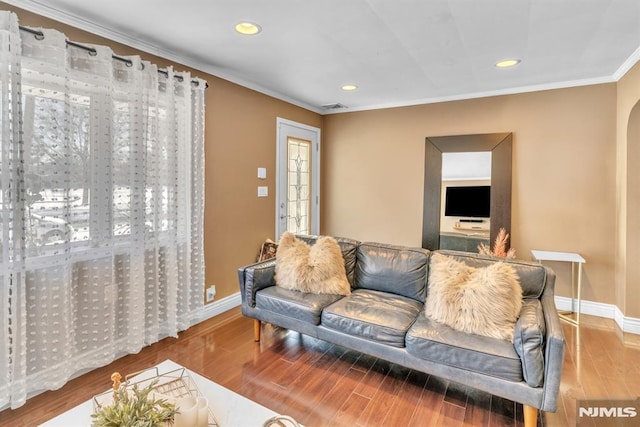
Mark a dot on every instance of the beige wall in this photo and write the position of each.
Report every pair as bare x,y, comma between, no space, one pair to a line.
628,194
240,137
564,173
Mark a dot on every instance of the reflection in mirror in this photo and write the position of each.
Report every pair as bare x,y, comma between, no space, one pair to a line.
465,200
499,145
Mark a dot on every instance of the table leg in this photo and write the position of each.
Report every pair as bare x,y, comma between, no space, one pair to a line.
575,305
573,287
579,289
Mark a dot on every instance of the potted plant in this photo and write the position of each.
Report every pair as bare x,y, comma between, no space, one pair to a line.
134,407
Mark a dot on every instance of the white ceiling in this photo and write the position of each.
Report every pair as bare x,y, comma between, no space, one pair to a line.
466,166
398,52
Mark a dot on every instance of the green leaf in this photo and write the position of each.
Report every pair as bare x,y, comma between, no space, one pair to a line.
135,409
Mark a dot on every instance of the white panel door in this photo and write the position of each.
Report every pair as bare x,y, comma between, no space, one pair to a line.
297,178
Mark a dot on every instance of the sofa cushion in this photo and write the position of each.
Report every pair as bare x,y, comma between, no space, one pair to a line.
317,269
373,315
298,305
433,341
396,269
484,301
529,341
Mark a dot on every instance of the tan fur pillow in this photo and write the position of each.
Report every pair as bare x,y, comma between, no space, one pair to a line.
484,301
318,269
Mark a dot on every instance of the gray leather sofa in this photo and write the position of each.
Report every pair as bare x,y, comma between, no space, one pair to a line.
384,317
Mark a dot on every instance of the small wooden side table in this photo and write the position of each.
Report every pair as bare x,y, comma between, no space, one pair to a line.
574,259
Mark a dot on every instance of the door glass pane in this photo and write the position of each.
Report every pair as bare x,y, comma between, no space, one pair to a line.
299,185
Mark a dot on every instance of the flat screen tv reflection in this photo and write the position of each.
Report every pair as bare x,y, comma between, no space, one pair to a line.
468,201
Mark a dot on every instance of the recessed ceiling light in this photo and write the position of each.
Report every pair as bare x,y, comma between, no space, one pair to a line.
349,87
248,28
506,63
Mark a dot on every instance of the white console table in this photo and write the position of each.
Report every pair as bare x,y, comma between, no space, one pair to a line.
574,259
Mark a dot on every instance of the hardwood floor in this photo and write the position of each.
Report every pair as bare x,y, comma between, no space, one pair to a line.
320,384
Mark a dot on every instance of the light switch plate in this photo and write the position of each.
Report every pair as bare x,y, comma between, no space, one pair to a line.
262,173
263,191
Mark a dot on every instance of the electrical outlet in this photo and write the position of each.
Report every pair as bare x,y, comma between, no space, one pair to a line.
211,293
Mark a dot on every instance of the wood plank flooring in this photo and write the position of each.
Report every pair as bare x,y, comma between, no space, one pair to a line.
325,385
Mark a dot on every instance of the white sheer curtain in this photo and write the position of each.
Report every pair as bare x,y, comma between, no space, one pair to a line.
101,175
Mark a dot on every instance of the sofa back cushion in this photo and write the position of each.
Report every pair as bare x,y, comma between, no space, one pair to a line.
532,276
397,269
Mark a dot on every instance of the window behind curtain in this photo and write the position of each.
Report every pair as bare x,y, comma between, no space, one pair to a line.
102,196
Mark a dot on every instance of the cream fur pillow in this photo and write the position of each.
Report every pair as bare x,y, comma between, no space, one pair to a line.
484,301
318,269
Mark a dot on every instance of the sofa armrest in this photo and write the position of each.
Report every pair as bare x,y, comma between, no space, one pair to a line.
254,277
529,341
555,347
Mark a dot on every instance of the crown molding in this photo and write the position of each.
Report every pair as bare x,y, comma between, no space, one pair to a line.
41,8
477,95
47,11
626,65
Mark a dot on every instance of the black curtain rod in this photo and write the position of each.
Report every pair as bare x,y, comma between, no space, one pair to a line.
39,35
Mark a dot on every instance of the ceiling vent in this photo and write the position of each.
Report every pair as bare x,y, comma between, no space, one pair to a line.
335,106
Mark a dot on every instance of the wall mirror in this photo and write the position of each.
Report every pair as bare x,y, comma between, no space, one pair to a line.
465,200
498,147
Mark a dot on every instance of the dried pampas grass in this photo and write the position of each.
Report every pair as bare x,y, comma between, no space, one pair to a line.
499,247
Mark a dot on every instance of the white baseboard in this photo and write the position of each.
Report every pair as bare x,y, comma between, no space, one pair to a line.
220,306
630,324
598,309
608,311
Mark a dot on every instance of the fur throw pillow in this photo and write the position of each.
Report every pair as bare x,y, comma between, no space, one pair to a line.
484,301
317,269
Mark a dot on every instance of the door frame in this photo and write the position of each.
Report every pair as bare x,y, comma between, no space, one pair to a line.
290,126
